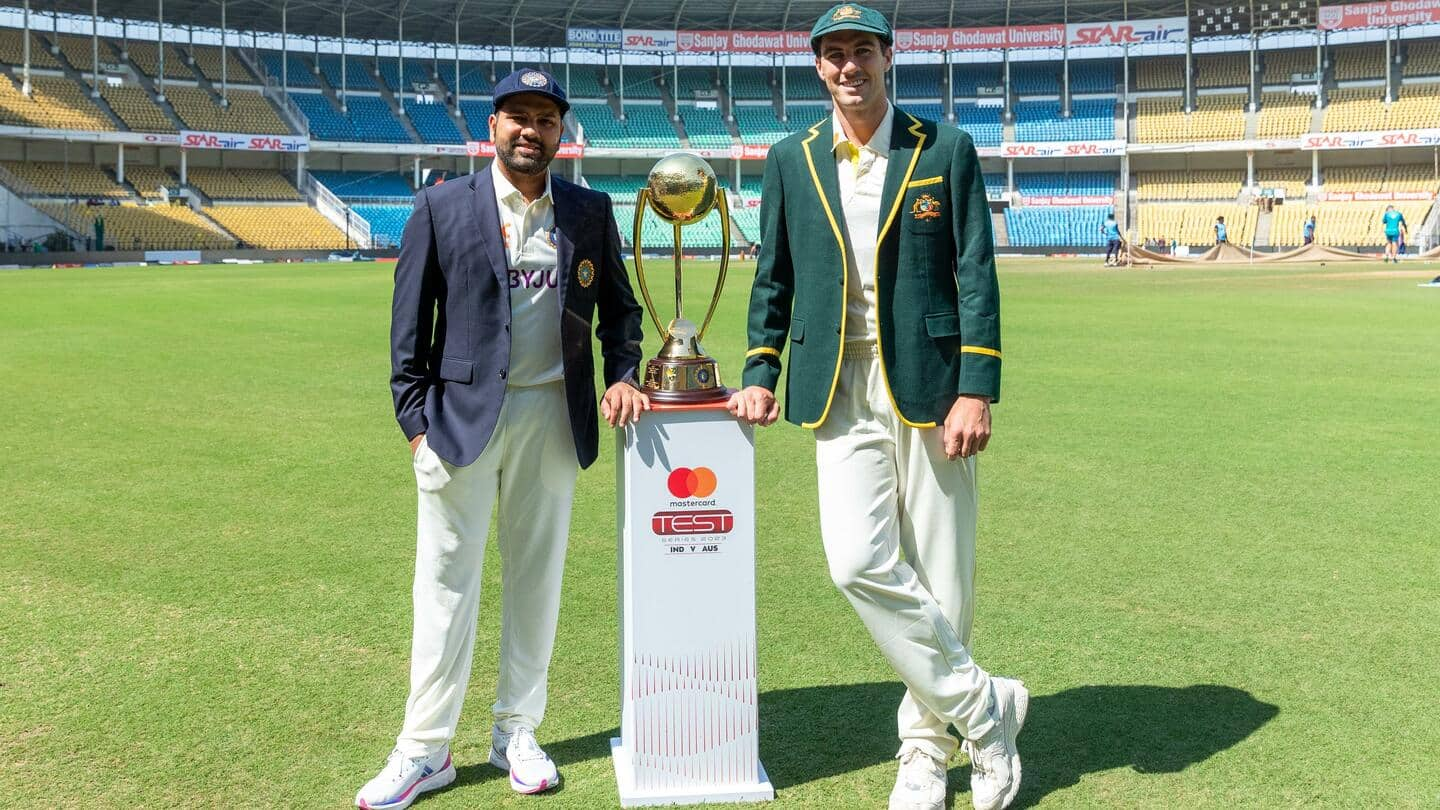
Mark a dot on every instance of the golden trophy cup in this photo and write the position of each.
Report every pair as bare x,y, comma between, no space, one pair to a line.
682,190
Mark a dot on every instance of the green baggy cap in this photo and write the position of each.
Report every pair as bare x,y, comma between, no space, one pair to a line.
851,17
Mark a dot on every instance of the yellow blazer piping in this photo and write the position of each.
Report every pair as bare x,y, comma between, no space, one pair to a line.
761,350
979,350
844,271
929,181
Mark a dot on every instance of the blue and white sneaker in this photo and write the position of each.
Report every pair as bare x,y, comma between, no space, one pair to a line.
530,768
404,778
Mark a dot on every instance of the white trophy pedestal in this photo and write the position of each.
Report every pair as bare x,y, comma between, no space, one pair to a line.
689,719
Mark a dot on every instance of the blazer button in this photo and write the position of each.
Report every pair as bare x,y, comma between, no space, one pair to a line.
502,373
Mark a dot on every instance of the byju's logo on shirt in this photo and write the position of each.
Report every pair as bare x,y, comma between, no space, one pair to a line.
534,279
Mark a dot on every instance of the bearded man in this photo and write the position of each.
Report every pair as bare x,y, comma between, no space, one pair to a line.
492,370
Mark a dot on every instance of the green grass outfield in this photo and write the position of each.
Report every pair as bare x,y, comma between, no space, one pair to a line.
1210,543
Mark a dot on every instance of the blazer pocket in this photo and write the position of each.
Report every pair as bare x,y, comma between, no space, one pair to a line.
943,325
455,369
797,330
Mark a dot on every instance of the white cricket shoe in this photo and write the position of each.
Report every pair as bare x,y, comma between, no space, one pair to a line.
405,778
994,759
921,784
531,770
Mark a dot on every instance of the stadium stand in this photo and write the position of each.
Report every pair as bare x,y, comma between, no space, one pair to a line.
1035,78
147,180
433,121
983,123
248,111
134,106
278,227
1284,115
1090,119
300,74
369,119
802,83
620,188
387,222
357,72
474,78
929,112
747,217
1160,73
758,124
918,81
705,127
131,227
1046,184
208,61
1358,62
1218,117
585,83
694,82
416,72
641,82
71,181
77,51
1092,76
1412,177
995,183
146,56
1292,180
1422,59
1222,70
477,117
1193,223
241,184
12,49
1046,226
1353,178
1341,224
646,126
365,185
1417,107
749,83
1188,185
55,102
703,235
1354,108
1160,120
968,79
1280,66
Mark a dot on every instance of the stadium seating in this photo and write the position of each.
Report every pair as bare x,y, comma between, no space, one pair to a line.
12,49
147,180
300,74
416,72
1035,78
1417,107
278,227
1047,184
995,183
1284,115
241,184
1343,224
983,123
1359,62
1092,76
55,102
1056,226
207,60
1353,109
585,83
620,188
691,81
1292,180
475,77
134,106
73,180
1280,66
646,126
357,72
1422,59
1218,117
477,117
1160,73
758,124
369,119
433,121
705,127
146,56
132,227
1222,70
249,112
749,83
641,82
748,219
1160,120
1193,223
703,235
1353,178
802,83
919,81
77,51
969,78
1413,177
1188,185
387,222
364,185
1090,119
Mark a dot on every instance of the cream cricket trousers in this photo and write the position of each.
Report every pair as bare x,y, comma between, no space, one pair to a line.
898,522
528,471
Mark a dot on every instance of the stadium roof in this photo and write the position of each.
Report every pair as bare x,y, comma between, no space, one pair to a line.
541,23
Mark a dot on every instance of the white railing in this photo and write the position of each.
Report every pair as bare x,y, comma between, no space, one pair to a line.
337,211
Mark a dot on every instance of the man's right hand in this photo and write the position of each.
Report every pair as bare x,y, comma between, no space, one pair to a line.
415,443
755,405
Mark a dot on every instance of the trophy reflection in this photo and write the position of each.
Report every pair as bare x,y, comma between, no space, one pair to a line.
682,190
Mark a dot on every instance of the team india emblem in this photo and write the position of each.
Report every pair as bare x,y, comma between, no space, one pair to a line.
925,207
585,274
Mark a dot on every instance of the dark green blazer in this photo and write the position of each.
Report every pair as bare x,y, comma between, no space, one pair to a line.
937,298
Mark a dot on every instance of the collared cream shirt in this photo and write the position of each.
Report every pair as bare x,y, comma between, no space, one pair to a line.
529,233
861,171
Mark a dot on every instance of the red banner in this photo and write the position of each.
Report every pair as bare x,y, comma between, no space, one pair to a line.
1069,199
567,151
1376,196
749,151
1383,14
980,39
742,41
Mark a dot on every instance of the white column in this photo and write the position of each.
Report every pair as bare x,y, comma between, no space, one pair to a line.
417,172
120,162
184,161
1315,168
25,48
160,46
300,170
1250,169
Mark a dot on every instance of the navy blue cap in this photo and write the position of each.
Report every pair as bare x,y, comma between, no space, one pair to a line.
531,80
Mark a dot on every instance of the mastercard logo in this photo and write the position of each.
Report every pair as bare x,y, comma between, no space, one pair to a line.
687,483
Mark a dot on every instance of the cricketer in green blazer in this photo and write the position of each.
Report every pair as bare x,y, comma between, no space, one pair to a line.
937,298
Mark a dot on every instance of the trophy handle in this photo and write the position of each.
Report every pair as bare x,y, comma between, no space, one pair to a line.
642,201
723,209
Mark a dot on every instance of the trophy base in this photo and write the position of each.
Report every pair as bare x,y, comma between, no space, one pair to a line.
687,382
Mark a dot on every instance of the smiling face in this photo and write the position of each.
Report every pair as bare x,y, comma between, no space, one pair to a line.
852,65
527,131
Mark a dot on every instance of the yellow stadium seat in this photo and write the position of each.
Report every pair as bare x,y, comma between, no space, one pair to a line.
1160,73
1359,62
207,59
55,102
278,227
1222,70
1422,59
1284,115
152,227
1188,185
1281,66
1418,107
1193,223
249,111
146,56
12,50
1353,109
1218,117
1342,224
134,106
147,180
1292,180
242,184
51,179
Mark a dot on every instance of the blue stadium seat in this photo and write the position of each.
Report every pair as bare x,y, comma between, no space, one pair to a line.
693,80
433,122
1092,76
474,77
584,83
640,82
802,83
748,83
1049,184
647,126
416,72
1035,78
357,72
1055,226
918,81
387,222
968,78
930,112
705,127
1090,119
983,123
994,183
365,185
369,120
477,117
300,73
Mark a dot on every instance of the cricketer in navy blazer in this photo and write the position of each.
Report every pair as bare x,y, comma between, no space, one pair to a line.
450,321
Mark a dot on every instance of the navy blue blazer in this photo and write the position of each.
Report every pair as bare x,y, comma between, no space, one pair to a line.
450,320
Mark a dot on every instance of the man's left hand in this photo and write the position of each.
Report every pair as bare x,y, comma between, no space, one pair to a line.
622,403
967,426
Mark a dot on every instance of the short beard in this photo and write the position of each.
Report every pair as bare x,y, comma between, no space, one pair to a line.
523,165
